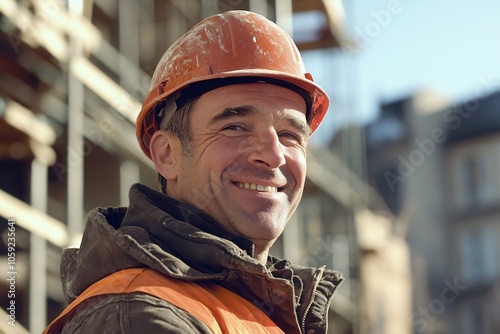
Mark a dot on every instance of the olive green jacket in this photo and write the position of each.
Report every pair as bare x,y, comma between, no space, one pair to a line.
180,241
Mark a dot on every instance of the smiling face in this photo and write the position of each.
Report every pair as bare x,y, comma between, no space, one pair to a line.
248,164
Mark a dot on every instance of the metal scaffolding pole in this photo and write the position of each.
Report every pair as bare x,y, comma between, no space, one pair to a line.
38,252
284,15
258,6
128,25
76,145
129,174
129,31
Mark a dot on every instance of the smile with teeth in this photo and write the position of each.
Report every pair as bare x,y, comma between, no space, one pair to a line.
257,187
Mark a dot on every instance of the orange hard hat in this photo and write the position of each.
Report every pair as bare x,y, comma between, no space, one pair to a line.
233,47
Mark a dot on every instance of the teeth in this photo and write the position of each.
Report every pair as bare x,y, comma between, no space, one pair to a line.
257,187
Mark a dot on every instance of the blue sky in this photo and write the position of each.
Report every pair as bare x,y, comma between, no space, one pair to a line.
450,47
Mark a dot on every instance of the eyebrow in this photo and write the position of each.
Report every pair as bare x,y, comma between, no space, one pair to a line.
233,112
298,123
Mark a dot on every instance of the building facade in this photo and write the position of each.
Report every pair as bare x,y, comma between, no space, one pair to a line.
438,165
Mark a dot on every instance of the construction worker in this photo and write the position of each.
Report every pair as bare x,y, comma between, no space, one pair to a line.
226,124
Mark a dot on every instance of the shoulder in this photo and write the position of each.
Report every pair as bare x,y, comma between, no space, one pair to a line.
131,313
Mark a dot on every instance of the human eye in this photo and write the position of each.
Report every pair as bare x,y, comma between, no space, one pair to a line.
233,127
291,138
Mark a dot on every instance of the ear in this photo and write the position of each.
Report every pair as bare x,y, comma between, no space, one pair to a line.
165,150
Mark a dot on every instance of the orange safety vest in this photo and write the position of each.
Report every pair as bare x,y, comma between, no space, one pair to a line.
220,309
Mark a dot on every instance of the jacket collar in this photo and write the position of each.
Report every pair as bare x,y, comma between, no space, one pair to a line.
141,195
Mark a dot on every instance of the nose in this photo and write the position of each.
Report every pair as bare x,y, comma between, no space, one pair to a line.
266,149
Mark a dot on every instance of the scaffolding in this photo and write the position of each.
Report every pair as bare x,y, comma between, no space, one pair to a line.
73,78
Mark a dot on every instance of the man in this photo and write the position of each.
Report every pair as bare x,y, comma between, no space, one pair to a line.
226,125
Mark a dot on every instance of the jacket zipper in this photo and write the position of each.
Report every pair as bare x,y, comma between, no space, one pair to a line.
317,279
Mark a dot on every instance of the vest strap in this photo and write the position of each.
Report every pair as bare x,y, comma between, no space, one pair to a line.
218,308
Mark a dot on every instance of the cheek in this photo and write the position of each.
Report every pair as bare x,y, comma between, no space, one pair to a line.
216,158
297,164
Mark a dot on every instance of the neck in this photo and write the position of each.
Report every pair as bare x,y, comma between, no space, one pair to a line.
261,251
261,258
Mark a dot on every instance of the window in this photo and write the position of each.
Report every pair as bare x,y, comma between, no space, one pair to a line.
479,254
475,176
472,320
481,315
